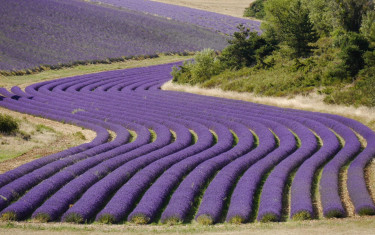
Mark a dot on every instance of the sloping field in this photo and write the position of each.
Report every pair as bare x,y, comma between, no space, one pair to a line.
217,22
227,7
37,32
179,157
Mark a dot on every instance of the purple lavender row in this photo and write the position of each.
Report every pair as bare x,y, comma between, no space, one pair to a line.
270,207
179,206
242,200
358,191
43,89
301,202
214,21
25,182
329,182
217,193
154,198
94,198
335,182
153,102
58,203
33,165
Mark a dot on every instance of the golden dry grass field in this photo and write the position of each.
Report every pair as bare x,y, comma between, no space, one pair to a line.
227,7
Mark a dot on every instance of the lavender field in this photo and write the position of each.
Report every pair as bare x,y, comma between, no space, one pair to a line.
51,32
210,20
178,157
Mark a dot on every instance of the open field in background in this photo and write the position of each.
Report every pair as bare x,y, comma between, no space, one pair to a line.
26,80
62,33
362,225
312,102
231,7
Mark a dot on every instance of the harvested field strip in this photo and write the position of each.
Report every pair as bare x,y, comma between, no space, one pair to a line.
177,155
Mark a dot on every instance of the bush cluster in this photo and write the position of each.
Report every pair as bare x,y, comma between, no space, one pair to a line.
312,45
8,125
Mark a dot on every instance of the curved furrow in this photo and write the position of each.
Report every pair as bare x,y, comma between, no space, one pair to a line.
112,180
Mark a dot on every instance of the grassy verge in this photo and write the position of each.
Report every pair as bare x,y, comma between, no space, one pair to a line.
23,81
312,102
37,137
363,225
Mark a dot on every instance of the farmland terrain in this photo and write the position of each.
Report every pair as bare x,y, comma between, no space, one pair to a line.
233,8
182,151
54,33
113,140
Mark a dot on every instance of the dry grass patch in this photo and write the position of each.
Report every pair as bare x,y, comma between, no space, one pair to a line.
226,7
370,176
312,102
37,137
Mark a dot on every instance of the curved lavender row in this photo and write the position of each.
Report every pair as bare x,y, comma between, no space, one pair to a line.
94,198
33,198
56,205
130,191
242,200
102,159
40,89
217,192
301,201
329,182
153,199
22,183
217,22
272,193
180,204
11,175
357,188
109,97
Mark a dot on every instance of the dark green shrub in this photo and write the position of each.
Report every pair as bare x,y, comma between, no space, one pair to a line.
202,68
353,47
334,214
8,125
256,10
107,219
269,217
246,49
74,218
303,215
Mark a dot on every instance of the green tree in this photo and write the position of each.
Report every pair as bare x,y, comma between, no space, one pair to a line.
321,16
349,13
246,48
368,26
288,21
